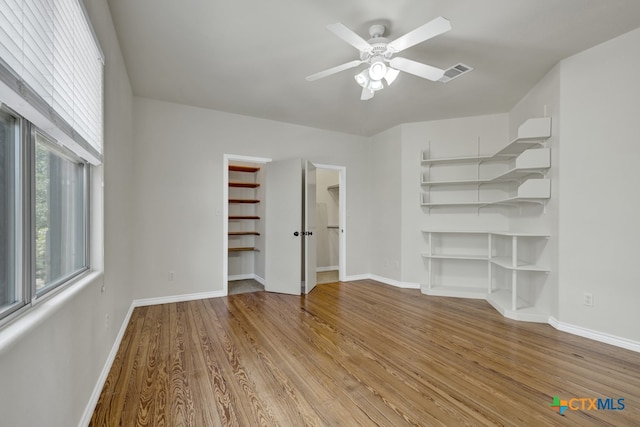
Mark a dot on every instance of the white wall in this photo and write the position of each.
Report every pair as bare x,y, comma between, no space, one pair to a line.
178,187
599,195
446,138
327,202
51,358
385,168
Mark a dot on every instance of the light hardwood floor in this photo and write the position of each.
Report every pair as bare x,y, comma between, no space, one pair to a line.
357,353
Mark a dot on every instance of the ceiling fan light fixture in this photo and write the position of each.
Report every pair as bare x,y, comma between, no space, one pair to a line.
391,75
375,85
377,70
362,78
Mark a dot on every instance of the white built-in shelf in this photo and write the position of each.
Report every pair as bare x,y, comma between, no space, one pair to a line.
465,159
531,133
530,191
426,182
456,256
505,301
495,233
507,263
528,163
517,309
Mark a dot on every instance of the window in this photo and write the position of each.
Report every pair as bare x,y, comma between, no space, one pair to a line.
60,215
44,190
51,131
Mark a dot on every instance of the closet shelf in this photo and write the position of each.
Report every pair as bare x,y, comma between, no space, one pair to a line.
244,233
232,217
244,184
244,201
244,249
238,168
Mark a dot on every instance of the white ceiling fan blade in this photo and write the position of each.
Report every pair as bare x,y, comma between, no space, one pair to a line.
431,29
366,94
350,37
333,70
417,68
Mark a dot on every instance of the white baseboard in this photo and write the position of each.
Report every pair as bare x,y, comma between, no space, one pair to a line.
247,277
386,281
355,277
177,298
396,283
241,277
330,268
97,390
595,335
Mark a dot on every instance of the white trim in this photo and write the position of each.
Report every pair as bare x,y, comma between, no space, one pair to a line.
396,283
178,298
97,389
330,268
385,280
595,335
248,276
355,277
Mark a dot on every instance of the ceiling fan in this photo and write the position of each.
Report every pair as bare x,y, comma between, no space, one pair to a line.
378,53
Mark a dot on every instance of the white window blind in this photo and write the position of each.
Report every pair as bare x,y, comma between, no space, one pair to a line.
51,71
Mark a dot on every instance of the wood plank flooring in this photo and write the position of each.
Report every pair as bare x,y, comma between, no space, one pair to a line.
357,353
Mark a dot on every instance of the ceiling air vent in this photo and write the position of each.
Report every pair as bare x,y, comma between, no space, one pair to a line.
454,72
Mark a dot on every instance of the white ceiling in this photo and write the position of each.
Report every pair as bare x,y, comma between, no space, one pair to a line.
251,57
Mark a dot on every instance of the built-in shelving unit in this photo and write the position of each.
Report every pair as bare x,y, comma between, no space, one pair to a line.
242,194
482,247
525,166
501,267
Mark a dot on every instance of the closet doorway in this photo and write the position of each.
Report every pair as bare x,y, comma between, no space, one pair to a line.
330,221
252,222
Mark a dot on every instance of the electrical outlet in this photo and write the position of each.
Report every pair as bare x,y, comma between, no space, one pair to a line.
587,299
171,276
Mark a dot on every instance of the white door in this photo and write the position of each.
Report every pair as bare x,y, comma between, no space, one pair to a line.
310,276
283,227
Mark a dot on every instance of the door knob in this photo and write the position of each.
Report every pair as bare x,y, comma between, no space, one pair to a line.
295,233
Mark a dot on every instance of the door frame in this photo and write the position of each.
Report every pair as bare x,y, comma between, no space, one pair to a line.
226,158
342,215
